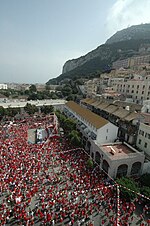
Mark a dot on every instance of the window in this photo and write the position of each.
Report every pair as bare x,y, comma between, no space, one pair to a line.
145,134
132,91
142,92
139,141
106,137
148,136
132,86
107,130
145,145
143,87
137,86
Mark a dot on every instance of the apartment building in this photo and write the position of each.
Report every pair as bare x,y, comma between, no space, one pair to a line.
136,89
143,139
131,62
121,64
146,106
91,86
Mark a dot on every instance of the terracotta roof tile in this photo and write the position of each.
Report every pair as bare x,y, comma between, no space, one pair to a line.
96,120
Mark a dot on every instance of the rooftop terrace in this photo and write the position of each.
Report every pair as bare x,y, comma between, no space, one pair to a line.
119,150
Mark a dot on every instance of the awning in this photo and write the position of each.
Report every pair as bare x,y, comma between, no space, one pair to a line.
111,108
96,103
131,116
102,106
121,113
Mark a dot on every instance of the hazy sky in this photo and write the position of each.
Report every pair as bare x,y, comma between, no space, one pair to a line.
38,36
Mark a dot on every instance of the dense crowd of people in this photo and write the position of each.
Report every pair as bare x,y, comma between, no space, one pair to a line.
51,183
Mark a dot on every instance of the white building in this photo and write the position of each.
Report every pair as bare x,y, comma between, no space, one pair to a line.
98,135
136,89
118,159
143,139
3,86
146,106
91,125
57,104
91,86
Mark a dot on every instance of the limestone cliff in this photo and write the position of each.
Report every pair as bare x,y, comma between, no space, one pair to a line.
137,32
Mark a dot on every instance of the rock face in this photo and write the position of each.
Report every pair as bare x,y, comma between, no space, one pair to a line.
134,32
71,64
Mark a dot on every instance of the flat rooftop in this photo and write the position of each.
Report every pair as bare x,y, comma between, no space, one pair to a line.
118,150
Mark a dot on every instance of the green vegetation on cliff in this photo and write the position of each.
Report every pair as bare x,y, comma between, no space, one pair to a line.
105,55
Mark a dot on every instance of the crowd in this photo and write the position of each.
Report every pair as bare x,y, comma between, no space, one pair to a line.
51,184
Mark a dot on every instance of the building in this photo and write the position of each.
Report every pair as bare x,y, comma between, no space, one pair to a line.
143,139
121,64
91,87
119,113
40,87
146,106
18,86
136,89
98,136
91,125
131,62
118,159
57,104
3,86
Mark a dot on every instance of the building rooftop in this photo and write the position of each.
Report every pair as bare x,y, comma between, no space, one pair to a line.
146,118
131,116
111,108
103,105
121,113
119,150
96,120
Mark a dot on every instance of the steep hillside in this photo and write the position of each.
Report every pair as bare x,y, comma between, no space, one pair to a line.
135,32
101,59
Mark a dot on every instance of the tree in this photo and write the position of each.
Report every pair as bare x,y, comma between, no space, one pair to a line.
2,111
30,109
145,191
70,97
12,111
47,109
145,180
32,88
131,185
32,96
90,163
69,124
66,90
75,138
